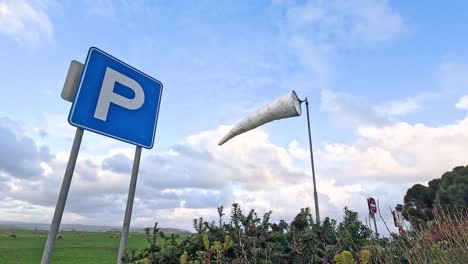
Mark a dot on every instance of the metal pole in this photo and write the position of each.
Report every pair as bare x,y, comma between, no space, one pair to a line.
375,226
54,227
317,213
128,210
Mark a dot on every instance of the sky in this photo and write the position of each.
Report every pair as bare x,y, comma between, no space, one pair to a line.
387,83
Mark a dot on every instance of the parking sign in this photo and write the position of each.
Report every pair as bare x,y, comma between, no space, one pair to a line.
116,100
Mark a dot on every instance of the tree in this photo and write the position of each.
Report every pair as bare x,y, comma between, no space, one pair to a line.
450,193
352,232
418,203
453,189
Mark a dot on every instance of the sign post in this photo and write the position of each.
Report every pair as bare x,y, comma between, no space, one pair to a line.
372,211
116,100
67,178
129,208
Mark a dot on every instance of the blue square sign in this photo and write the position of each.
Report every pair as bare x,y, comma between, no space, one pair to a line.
116,100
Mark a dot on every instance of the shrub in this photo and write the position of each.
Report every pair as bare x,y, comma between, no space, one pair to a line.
344,257
247,238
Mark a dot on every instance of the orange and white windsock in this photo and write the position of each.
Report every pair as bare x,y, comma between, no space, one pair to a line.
285,106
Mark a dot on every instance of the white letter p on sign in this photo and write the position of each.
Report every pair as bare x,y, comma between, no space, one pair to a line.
107,95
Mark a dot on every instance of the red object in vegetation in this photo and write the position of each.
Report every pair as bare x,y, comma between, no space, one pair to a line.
372,205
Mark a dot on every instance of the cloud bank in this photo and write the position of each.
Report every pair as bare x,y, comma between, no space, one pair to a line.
192,178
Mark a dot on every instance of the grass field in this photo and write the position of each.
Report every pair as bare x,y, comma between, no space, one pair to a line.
75,247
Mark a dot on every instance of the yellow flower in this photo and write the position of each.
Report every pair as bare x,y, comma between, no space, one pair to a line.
365,256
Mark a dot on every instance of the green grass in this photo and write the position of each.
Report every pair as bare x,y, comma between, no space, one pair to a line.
75,247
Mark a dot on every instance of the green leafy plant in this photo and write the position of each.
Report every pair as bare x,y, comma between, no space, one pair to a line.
344,257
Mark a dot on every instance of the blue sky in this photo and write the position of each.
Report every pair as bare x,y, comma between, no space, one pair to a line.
386,82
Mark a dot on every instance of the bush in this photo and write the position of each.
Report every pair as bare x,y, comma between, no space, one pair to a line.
247,238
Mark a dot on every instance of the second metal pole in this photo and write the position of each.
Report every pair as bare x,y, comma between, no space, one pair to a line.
317,213
375,226
62,199
128,210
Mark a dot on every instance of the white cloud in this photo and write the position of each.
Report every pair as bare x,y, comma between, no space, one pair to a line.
365,21
16,210
400,152
400,107
27,22
316,30
192,178
384,162
314,56
104,8
351,108
360,111
251,161
20,156
175,186
297,151
462,103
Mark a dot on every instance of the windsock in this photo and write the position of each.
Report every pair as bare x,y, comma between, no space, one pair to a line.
286,106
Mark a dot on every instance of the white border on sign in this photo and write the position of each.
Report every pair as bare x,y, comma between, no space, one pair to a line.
103,133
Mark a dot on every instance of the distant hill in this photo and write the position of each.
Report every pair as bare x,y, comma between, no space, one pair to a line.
83,228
